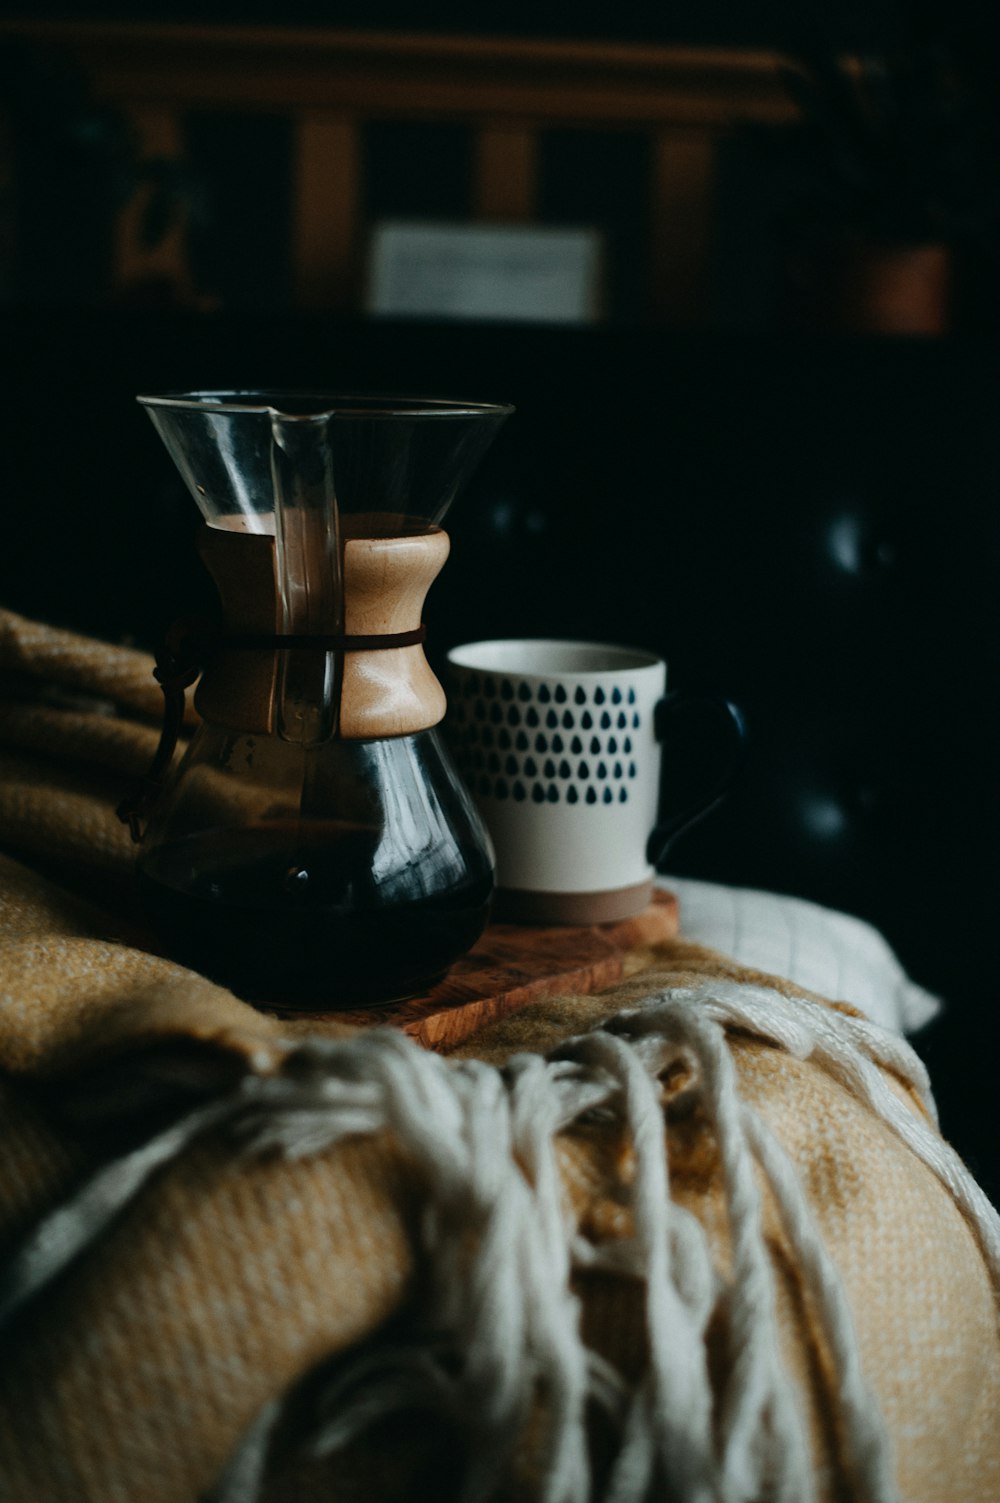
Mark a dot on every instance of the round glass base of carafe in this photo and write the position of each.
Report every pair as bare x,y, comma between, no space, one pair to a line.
314,878
318,960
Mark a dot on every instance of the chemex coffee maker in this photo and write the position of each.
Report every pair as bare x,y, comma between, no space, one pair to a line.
315,848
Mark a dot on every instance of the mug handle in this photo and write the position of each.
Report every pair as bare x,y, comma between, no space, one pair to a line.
667,829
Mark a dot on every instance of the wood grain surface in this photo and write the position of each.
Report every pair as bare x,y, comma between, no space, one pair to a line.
514,965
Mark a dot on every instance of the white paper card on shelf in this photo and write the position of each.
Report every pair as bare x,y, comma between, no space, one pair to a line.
528,273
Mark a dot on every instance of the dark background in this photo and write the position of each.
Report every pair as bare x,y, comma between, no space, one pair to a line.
805,522
729,23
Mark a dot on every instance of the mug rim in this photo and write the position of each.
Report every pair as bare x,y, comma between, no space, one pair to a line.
471,657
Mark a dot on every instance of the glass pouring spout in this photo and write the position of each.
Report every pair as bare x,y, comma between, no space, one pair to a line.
309,576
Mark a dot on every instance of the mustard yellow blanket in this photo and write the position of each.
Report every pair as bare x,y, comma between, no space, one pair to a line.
694,1238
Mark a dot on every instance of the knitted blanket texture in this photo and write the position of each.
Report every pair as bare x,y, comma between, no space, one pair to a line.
694,1238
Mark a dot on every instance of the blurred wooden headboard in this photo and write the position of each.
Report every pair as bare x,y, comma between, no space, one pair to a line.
506,91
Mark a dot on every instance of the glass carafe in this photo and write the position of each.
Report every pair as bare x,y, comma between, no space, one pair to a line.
316,848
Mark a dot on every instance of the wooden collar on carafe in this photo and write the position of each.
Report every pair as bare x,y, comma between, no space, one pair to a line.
384,691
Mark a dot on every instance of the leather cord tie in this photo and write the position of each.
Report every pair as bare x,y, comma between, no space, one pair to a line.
331,643
187,648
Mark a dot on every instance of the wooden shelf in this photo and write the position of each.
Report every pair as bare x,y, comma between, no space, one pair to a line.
506,91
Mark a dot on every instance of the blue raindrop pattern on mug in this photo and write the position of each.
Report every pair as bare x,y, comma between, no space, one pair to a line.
512,742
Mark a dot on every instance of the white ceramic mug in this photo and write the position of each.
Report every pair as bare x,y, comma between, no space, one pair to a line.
559,743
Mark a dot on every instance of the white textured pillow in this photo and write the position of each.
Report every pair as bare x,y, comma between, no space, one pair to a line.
831,953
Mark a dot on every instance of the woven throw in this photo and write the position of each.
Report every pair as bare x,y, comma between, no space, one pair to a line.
694,1238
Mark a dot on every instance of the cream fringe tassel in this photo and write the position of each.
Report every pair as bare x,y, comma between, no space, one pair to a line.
499,1251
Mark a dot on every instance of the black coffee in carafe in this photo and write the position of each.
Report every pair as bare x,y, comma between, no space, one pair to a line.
286,904
283,922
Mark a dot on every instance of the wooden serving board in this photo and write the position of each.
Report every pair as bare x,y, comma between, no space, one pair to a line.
514,965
